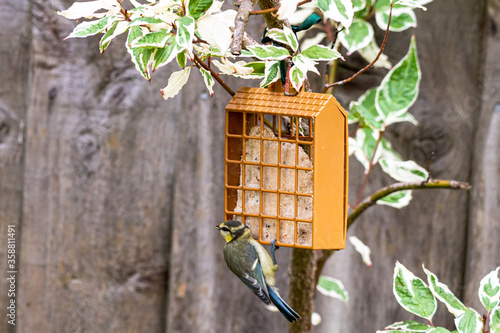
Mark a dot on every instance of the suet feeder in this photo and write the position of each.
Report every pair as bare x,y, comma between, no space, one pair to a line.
286,167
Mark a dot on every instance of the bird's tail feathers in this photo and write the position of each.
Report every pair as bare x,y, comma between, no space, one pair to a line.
284,308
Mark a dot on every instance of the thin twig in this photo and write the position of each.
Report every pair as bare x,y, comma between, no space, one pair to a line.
333,39
274,9
240,23
200,62
339,83
271,20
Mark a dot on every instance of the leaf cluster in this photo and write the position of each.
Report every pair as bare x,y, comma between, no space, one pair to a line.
420,298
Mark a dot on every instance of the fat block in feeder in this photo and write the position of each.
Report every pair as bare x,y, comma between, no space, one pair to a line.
286,167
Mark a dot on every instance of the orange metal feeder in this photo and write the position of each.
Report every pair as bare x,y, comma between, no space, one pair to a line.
286,167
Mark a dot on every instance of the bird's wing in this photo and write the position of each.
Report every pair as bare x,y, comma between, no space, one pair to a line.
254,279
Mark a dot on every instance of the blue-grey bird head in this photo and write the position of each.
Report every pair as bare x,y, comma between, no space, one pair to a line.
231,230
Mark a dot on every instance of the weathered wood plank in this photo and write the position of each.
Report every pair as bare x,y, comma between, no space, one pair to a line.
15,18
484,229
98,182
204,296
432,230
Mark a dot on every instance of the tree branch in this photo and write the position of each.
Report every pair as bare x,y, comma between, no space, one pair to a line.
240,23
372,200
339,83
272,21
430,184
217,78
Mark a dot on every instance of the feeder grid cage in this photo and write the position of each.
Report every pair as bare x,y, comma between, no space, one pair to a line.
286,167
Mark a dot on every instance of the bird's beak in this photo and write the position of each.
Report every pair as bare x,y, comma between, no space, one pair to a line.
217,227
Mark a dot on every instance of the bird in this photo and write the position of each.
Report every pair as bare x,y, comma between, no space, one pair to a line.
253,265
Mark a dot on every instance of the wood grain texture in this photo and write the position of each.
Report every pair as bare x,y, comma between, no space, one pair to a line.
204,295
99,146
433,229
15,18
484,228
117,192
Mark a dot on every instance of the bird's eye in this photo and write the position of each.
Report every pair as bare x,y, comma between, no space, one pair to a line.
224,229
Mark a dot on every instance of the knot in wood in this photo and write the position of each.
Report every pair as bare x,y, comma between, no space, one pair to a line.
4,126
86,144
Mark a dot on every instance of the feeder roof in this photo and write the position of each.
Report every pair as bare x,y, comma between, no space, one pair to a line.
265,101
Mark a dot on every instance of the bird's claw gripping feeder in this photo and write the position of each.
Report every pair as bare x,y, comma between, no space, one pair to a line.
286,167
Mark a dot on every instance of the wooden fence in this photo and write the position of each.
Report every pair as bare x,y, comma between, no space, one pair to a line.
114,192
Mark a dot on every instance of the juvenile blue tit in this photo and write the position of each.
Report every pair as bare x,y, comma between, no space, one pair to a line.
249,261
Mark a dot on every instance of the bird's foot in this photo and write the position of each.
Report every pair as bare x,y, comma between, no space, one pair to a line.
273,248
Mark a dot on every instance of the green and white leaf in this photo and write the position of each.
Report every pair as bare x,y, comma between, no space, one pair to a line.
267,52
469,322
271,74
134,33
413,3
146,21
384,4
338,10
352,145
412,293
89,28
364,110
287,9
331,287
154,39
489,290
209,80
216,29
157,23
317,39
285,36
143,58
259,69
400,118
185,32
407,326
366,140
495,320
197,8
388,152
277,35
362,249
360,35
358,5
175,83
297,77
205,50
444,294
305,64
403,171
320,52
90,9
399,88
167,53
438,330
237,69
291,38
369,53
181,59
117,28
402,19
397,200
